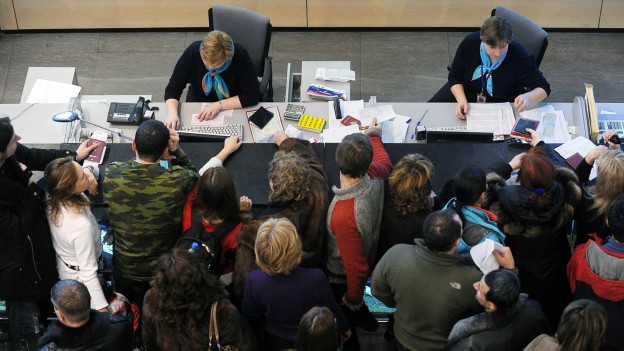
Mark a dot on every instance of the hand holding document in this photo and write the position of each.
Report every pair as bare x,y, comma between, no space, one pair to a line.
483,255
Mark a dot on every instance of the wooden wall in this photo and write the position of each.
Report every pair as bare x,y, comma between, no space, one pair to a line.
90,14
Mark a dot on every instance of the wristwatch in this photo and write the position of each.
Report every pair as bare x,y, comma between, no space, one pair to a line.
220,106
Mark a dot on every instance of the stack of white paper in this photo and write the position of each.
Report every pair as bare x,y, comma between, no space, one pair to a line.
47,91
336,75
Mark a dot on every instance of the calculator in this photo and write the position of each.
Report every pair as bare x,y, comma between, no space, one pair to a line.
294,112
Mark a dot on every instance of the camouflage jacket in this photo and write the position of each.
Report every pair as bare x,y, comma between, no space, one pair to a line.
145,203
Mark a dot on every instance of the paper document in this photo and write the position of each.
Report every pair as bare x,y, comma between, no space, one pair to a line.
496,118
336,135
483,255
217,121
394,131
553,126
47,91
334,74
265,135
575,150
382,112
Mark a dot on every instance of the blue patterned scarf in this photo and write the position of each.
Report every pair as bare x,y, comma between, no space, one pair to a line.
487,67
212,78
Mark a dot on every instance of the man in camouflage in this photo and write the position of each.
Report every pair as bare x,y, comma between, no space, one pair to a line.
145,202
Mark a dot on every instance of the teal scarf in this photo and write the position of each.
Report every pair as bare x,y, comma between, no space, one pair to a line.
486,69
213,79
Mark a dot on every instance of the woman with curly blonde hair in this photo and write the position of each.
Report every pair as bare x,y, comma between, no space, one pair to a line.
407,202
598,198
176,310
281,292
298,192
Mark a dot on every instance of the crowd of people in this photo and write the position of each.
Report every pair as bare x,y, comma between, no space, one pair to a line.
208,270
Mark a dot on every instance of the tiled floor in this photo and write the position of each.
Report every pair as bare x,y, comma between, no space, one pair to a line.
395,66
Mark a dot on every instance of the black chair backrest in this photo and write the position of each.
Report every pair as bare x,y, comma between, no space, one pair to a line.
526,32
250,29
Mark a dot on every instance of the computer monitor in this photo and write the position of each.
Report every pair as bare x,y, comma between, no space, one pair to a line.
450,136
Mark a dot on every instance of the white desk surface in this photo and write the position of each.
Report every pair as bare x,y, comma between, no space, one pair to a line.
308,72
35,125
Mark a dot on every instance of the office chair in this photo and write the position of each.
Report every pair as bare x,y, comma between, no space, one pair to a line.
253,31
526,32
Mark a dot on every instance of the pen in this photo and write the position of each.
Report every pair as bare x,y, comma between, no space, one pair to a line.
421,118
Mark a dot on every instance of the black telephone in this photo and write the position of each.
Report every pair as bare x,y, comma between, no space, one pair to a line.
138,112
129,113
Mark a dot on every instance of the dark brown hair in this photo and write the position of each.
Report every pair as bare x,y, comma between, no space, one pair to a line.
495,31
183,292
317,331
216,199
354,155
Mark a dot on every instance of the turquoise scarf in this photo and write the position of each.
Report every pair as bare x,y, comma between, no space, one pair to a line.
212,78
487,67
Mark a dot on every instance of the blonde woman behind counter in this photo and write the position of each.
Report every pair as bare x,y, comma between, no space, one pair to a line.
217,70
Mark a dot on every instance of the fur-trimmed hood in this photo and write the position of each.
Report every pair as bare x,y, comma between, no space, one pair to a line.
516,214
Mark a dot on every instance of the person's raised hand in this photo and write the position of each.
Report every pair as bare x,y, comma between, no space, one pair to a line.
231,144
83,150
280,137
595,153
172,121
461,109
245,204
515,161
521,102
374,127
505,259
92,181
608,135
209,112
535,137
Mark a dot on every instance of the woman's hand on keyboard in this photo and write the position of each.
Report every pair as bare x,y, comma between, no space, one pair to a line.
209,112
172,122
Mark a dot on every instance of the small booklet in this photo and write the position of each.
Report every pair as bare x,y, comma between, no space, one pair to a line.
574,151
519,129
311,123
97,155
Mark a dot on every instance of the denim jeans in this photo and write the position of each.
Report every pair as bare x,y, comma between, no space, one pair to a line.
23,318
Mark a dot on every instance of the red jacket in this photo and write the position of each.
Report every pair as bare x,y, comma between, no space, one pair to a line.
228,243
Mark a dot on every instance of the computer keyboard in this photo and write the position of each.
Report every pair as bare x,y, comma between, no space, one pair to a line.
209,133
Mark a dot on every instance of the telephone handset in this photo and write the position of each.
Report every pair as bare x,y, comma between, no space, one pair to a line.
139,111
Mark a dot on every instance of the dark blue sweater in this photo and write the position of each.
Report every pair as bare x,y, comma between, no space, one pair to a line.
517,71
240,77
284,299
